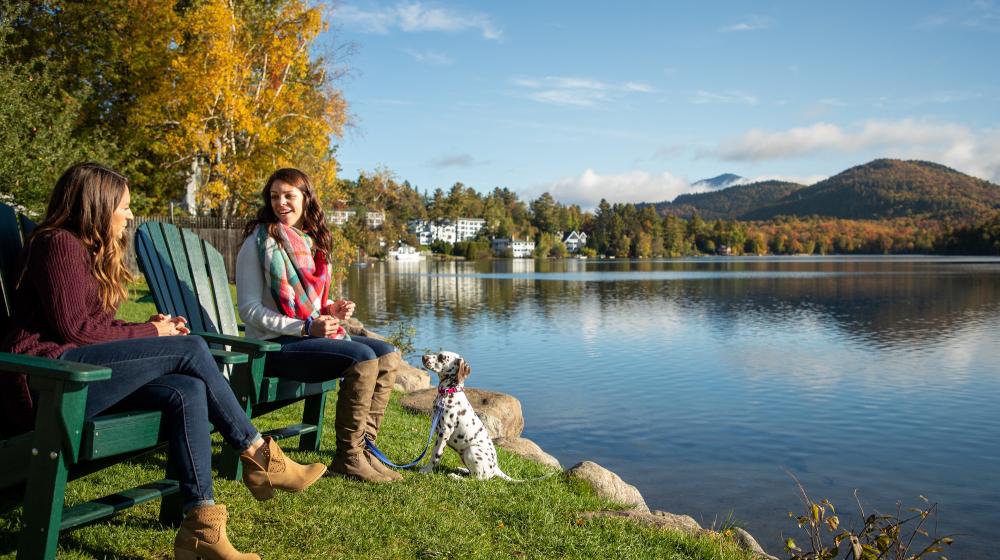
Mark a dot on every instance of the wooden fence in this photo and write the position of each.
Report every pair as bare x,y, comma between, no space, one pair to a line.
225,234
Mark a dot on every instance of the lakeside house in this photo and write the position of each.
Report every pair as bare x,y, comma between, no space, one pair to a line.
448,231
575,241
374,220
519,249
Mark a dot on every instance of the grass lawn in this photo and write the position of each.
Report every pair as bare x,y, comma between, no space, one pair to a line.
421,517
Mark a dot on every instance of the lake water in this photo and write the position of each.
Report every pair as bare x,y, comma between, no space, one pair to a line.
702,381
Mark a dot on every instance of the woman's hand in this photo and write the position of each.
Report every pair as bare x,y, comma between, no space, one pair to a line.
169,326
323,326
341,309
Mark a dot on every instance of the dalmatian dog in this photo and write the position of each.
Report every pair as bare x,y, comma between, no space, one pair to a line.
458,426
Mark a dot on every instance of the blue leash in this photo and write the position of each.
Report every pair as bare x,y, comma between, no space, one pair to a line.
438,410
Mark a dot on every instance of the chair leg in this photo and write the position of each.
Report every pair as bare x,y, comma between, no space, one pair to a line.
172,506
230,467
313,413
43,505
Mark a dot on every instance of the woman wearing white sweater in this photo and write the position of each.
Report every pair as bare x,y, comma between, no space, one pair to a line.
283,279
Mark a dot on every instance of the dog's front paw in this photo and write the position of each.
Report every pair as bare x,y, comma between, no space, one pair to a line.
426,469
455,476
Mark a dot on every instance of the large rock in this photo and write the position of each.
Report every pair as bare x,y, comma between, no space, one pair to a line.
659,519
410,379
747,542
500,413
609,485
529,450
357,328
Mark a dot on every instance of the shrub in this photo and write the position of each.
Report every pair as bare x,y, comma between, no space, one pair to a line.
882,536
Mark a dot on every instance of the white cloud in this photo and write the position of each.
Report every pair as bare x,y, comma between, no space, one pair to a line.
429,57
954,145
980,14
806,180
414,17
641,88
580,98
590,187
581,92
454,160
752,23
702,97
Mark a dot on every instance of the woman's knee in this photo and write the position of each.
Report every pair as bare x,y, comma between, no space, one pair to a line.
185,392
366,354
195,343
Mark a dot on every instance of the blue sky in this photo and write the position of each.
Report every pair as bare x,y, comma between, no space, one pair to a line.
634,101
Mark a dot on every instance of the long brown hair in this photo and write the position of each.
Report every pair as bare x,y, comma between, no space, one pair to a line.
313,221
83,202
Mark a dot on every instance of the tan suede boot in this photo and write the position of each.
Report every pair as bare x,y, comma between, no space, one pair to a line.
353,403
280,472
203,535
388,365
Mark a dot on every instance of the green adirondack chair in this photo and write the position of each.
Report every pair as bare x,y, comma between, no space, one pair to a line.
63,445
187,277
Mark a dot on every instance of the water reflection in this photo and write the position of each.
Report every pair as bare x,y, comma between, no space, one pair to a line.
885,302
700,380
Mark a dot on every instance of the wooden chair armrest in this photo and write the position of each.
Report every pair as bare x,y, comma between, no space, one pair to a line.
222,357
240,343
57,370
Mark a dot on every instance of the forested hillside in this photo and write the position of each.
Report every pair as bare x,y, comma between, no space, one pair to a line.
888,188
728,203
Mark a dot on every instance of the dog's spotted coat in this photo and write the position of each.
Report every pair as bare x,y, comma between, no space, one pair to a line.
459,427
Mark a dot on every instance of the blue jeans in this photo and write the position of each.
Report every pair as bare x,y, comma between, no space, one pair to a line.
178,376
313,360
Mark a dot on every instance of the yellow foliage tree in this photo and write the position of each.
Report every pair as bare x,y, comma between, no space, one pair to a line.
242,95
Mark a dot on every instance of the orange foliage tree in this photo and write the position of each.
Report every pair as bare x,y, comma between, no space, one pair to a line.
241,96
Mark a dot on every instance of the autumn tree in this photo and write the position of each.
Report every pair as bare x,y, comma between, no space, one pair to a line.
241,96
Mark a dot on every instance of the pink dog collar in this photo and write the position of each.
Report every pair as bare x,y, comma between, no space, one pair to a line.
449,390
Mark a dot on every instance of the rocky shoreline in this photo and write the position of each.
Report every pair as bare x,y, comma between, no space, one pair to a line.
504,420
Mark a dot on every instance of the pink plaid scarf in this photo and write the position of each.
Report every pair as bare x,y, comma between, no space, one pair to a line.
299,281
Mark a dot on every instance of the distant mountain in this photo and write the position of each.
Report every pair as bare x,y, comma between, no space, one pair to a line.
723,181
728,203
888,188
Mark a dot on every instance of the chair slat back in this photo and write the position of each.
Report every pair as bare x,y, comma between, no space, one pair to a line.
187,276
10,249
27,226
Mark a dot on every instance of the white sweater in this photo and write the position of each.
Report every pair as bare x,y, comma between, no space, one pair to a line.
254,301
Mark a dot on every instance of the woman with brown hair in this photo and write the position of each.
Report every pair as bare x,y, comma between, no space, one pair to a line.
72,283
283,276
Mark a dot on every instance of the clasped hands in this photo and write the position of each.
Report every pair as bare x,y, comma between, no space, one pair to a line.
167,325
328,322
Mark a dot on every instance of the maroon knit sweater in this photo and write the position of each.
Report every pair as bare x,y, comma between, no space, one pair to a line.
56,306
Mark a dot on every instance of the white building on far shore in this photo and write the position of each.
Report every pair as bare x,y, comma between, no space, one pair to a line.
575,241
462,229
519,249
340,217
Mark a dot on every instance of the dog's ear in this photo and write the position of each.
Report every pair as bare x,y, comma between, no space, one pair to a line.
464,370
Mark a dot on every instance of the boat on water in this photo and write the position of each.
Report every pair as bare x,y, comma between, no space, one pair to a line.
405,253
